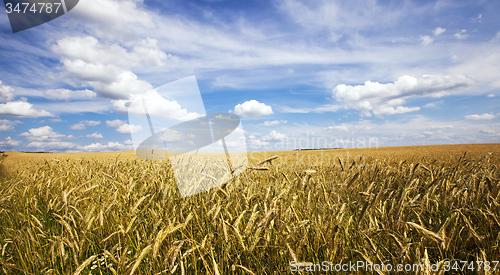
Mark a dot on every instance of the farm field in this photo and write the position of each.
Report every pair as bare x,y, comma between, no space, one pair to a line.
113,213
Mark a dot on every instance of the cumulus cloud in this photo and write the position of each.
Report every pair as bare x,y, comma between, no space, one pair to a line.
90,50
5,93
107,67
45,139
156,105
44,134
115,123
8,125
252,109
17,109
438,31
21,109
110,146
91,122
122,126
426,40
387,99
8,143
129,129
274,136
78,126
461,34
94,135
82,125
65,94
491,95
125,84
273,123
484,116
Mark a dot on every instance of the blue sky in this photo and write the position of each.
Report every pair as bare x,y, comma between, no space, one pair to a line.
325,73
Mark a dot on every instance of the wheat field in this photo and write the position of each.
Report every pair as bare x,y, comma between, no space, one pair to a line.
112,213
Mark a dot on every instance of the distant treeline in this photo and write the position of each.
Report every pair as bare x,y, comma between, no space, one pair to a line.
317,149
38,152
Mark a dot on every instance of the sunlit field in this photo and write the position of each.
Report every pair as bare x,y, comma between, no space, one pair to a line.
113,213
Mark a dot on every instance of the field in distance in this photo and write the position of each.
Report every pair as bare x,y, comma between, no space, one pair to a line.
113,213
317,157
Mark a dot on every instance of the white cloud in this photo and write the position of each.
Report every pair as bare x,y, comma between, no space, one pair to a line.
94,147
21,109
491,95
454,58
8,142
110,146
394,110
338,127
44,134
386,99
122,126
115,123
78,126
82,125
484,116
5,93
274,136
94,135
438,31
45,139
8,125
17,109
252,109
426,40
108,80
91,122
129,129
273,123
461,34
89,50
122,87
107,67
59,94
156,106
113,17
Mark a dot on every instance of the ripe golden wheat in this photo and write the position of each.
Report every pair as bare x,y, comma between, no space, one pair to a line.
114,216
